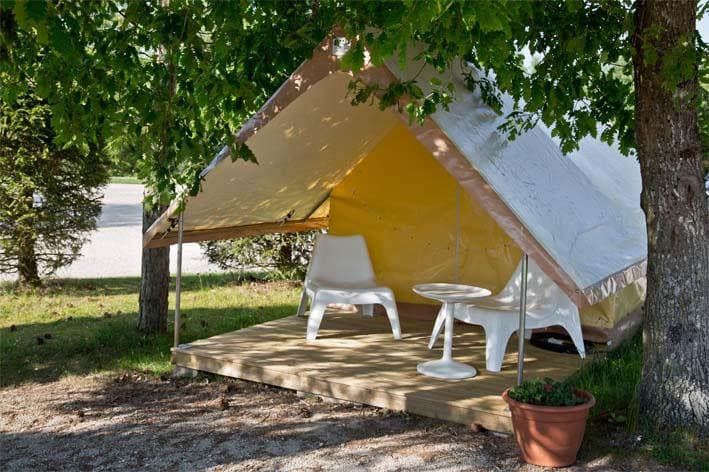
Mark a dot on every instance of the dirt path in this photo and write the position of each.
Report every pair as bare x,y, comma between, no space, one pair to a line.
130,422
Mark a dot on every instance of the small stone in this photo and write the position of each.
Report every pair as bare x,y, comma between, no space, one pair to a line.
478,428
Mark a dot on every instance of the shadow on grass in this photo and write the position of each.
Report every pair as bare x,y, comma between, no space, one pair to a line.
44,352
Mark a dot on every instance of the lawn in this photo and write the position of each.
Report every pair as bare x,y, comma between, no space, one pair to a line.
86,326
126,180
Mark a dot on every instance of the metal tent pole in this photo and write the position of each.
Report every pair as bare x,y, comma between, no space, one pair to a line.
178,280
522,316
457,234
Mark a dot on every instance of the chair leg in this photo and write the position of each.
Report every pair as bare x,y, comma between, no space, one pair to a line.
437,327
393,315
317,310
368,310
574,330
495,347
303,306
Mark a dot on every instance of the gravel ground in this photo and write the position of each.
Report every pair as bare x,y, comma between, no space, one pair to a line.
130,422
114,248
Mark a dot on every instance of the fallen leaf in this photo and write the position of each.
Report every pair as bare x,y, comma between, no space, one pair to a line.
223,403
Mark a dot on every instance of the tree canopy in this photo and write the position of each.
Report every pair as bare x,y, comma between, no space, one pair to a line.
582,75
173,81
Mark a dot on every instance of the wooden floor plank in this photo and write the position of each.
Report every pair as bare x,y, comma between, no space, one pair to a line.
355,358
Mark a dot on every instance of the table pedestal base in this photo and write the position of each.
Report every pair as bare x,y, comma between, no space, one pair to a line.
446,369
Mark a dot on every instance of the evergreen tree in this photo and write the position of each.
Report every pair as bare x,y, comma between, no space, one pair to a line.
49,195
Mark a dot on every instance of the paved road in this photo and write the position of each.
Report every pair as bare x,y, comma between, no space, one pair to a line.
115,247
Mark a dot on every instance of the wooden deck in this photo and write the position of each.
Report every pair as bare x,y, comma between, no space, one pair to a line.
356,359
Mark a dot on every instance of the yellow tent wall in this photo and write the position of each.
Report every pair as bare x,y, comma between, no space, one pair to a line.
404,202
613,309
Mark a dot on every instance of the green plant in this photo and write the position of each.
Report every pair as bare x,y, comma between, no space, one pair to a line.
284,256
613,377
546,392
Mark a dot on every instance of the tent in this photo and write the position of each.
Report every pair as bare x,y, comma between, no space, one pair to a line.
449,200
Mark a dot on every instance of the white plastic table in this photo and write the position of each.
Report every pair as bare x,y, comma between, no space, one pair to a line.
446,367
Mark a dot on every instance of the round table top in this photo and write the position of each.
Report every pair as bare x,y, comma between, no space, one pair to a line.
450,292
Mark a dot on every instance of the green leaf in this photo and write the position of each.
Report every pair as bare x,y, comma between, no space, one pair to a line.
354,58
59,38
650,54
576,44
489,17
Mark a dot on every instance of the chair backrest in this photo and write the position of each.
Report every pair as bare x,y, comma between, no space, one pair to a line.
340,259
541,289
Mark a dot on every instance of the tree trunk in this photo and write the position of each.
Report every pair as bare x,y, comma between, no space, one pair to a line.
27,262
26,237
674,389
154,282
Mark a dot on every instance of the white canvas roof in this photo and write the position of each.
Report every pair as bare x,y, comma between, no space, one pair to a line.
578,217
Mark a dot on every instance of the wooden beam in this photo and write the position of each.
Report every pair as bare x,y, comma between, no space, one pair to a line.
211,234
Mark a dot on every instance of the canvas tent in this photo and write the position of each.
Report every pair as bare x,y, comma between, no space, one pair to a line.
451,200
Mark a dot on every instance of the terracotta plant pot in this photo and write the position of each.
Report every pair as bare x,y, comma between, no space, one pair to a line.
549,436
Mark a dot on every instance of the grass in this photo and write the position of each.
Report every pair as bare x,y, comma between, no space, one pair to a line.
87,326
125,180
614,426
613,379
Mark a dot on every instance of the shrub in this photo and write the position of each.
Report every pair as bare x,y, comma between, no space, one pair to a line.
546,392
283,255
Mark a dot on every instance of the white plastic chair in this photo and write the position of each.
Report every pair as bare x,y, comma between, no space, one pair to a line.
340,271
547,305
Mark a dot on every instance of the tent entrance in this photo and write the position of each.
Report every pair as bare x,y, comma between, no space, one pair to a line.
420,225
